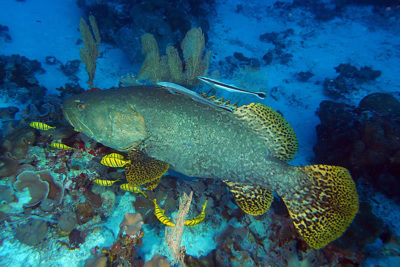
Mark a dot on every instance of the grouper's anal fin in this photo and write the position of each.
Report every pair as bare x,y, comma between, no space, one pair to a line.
143,169
322,210
252,199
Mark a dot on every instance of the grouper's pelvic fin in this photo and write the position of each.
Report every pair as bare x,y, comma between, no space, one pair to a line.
272,127
325,207
252,199
143,169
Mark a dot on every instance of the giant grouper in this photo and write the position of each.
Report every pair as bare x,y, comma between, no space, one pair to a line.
247,147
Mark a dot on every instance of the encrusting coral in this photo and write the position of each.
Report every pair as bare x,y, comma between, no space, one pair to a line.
170,67
38,189
131,224
42,187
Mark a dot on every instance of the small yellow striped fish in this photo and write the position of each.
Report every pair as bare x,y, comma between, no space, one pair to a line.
131,188
60,146
199,218
114,155
114,162
105,182
159,212
41,126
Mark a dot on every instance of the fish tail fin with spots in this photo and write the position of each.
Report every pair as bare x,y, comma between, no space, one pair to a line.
324,208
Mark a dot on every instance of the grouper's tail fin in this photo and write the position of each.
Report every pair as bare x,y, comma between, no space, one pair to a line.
323,209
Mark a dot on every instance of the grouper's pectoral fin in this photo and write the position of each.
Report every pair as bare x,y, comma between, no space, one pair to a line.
325,207
272,127
143,169
252,199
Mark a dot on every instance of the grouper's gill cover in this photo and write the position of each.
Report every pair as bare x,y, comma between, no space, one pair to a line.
247,147
112,121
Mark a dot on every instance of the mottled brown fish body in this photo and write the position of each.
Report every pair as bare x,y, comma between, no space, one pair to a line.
206,141
194,138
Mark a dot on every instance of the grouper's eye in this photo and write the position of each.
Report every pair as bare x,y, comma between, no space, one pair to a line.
81,106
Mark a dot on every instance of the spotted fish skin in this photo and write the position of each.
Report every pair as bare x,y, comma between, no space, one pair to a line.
205,141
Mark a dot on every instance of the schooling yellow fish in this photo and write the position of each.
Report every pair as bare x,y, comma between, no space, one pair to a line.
60,146
41,126
114,155
130,188
114,162
159,212
199,218
105,182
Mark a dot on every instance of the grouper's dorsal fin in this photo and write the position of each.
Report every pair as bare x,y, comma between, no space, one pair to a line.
252,199
143,169
276,131
178,89
221,102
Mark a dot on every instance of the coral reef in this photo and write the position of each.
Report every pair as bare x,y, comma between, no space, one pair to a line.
364,139
32,233
67,221
349,80
120,22
6,196
123,251
17,143
4,35
42,188
38,189
278,53
17,78
131,224
8,166
84,213
8,112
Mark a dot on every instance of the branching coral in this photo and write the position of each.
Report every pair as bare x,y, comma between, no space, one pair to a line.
170,67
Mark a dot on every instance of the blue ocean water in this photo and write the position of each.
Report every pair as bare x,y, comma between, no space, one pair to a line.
328,67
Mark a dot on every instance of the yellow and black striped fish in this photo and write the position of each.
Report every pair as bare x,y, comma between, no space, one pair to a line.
159,212
131,188
41,126
199,218
114,155
60,146
114,162
105,182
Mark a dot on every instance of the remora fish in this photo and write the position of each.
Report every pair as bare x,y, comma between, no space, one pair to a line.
229,87
249,146
176,88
